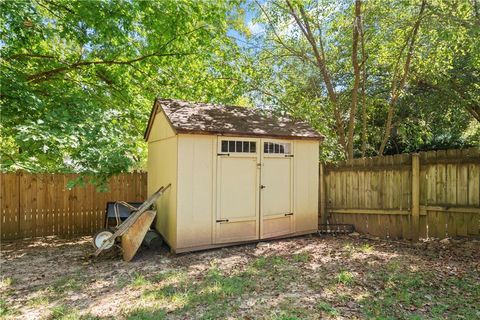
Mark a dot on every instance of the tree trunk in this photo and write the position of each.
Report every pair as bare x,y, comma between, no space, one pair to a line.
364,99
304,26
356,71
397,89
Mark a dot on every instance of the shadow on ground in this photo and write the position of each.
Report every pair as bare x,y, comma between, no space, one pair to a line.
307,277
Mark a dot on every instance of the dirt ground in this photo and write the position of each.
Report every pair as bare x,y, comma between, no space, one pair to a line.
311,277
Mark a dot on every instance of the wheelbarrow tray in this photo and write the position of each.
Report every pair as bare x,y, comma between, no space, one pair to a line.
132,219
133,237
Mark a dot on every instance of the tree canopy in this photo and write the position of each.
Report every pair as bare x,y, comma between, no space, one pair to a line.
379,77
79,78
376,77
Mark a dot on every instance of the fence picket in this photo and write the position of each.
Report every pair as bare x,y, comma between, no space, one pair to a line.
37,205
380,188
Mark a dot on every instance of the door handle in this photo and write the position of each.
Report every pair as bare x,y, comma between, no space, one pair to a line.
262,186
222,220
289,214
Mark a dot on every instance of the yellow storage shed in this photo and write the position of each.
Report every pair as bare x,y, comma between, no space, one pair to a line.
238,174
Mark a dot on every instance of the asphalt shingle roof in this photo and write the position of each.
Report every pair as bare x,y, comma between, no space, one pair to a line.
204,118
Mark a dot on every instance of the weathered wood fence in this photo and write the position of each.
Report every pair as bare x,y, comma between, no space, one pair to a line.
36,205
430,194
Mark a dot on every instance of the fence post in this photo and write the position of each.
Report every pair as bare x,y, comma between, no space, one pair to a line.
415,222
323,211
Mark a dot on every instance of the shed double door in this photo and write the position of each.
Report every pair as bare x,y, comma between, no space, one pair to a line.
254,196
276,190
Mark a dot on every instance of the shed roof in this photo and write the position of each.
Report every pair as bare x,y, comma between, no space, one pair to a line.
206,118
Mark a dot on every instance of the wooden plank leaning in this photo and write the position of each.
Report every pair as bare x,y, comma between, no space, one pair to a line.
132,218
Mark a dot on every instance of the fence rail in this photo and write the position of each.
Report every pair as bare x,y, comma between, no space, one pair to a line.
36,205
430,194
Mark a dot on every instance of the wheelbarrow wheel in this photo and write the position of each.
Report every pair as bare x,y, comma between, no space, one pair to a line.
100,237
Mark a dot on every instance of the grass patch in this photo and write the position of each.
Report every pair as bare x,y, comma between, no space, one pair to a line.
418,295
67,283
274,273
366,248
139,280
121,282
215,292
327,308
147,314
6,282
290,311
285,316
393,266
40,300
345,278
260,263
62,312
268,262
227,285
349,249
302,257
169,276
4,309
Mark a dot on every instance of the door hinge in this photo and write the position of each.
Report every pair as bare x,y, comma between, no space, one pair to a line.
289,214
222,220
223,154
289,156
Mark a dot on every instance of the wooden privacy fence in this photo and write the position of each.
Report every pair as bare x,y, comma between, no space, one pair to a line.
36,205
430,194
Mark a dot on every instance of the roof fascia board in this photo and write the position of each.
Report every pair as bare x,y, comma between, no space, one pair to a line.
248,135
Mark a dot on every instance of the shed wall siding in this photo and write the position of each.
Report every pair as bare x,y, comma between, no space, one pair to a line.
162,170
195,184
161,128
306,185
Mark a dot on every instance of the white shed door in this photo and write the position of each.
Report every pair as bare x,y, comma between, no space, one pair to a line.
237,190
276,202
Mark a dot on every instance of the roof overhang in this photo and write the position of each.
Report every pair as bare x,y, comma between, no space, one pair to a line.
248,135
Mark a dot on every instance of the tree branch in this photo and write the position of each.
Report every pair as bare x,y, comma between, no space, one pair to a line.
45,75
279,40
304,26
396,90
29,55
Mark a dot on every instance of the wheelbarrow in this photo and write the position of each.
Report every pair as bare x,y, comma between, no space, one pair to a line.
132,230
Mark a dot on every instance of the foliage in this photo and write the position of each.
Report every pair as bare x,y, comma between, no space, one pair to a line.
435,109
79,78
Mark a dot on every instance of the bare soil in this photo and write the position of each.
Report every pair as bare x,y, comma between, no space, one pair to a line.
311,277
